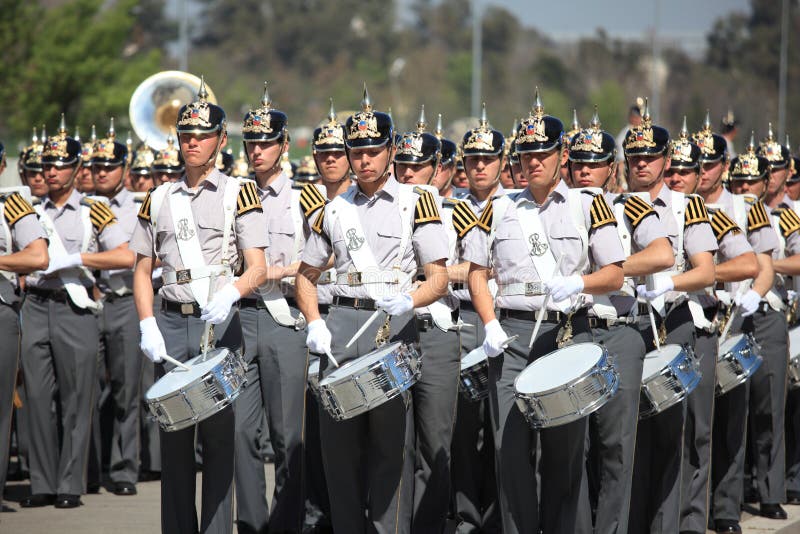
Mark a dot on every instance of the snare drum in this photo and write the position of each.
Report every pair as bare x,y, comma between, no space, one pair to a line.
794,357
566,385
181,398
668,375
737,361
473,381
369,381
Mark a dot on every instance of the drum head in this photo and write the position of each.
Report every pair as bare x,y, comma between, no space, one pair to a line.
726,346
313,366
558,368
474,356
794,341
178,378
656,360
361,362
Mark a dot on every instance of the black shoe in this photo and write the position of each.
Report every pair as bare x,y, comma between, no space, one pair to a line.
93,488
124,488
149,476
792,497
726,525
37,500
64,500
772,511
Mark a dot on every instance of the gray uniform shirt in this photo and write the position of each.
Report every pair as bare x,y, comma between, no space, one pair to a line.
23,230
125,208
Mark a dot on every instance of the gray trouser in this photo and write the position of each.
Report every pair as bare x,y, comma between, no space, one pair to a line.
793,441
435,395
612,431
767,404
563,501
697,437
729,439
150,450
9,332
472,450
124,364
59,360
370,481
277,370
216,434
655,498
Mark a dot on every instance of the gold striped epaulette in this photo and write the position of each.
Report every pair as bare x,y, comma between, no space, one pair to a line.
722,225
485,222
789,222
425,211
464,219
144,209
248,199
101,215
601,213
636,209
310,200
15,207
757,216
317,225
696,211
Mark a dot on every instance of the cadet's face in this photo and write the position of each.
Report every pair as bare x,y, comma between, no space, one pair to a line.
590,173
539,168
519,177
777,179
482,171
645,170
84,181
413,174
263,155
756,187
369,163
711,176
443,176
332,166
505,177
58,178
460,178
793,190
197,149
164,177
36,181
683,180
141,182
106,179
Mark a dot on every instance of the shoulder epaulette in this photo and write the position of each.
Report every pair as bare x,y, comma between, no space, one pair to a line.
601,213
449,203
696,211
248,198
310,200
636,209
789,222
485,222
317,225
464,219
722,225
426,211
144,209
15,208
757,216
101,215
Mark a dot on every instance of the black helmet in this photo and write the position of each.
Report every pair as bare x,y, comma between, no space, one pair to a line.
483,140
418,147
264,123
794,171
749,166
143,159
108,152
646,139
592,143
201,116
169,160
224,163
368,128
61,150
574,128
777,156
713,147
448,149
685,154
30,159
539,132
329,137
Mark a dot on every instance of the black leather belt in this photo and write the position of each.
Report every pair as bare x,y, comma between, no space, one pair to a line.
323,308
549,317
467,305
357,304
184,308
457,286
111,297
597,322
425,321
259,303
58,295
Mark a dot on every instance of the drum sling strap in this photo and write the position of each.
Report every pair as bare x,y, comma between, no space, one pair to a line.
602,305
440,312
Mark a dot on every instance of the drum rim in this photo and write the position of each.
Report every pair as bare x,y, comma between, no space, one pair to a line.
588,372
351,364
147,396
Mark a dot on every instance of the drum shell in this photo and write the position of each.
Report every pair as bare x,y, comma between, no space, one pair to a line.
737,365
473,381
676,380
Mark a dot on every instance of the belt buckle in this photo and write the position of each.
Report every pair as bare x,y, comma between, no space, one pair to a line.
183,276
533,289
354,279
187,308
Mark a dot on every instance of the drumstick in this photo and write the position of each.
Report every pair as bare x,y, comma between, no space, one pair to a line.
364,327
176,363
728,325
330,357
205,340
543,309
653,325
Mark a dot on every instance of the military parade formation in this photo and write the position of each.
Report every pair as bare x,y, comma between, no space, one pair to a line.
551,332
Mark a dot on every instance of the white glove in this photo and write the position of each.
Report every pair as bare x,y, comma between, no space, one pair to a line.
494,343
749,303
152,342
661,285
396,304
219,308
319,337
563,287
63,262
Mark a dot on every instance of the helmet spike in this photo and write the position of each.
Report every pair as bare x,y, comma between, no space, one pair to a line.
44,134
538,107
421,125
266,101
35,138
770,135
93,138
77,135
439,126
786,144
751,147
707,122
62,126
332,112
484,120
575,124
684,129
595,119
202,93
366,103
111,132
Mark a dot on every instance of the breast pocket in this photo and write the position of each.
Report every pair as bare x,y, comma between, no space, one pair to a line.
509,242
565,239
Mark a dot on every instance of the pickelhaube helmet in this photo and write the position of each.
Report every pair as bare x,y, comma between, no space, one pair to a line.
777,155
368,128
108,152
241,168
794,168
143,159
168,160
224,162
87,148
483,140
750,165
306,170
60,149
31,157
511,137
575,127
448,149
685,154
264,123
646,139
539,132
729,121
418,147
592,143
201,116
329,137
713,147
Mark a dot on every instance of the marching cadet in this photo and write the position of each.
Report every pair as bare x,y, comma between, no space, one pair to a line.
365,456
168,164
224,162
534,227
185,225
443,181
30,167
730,410
472,452
24,241
119,330
655,498
141,169
274,340
612,429
57,364
84,182
330,159
793,182
460,177
735,262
